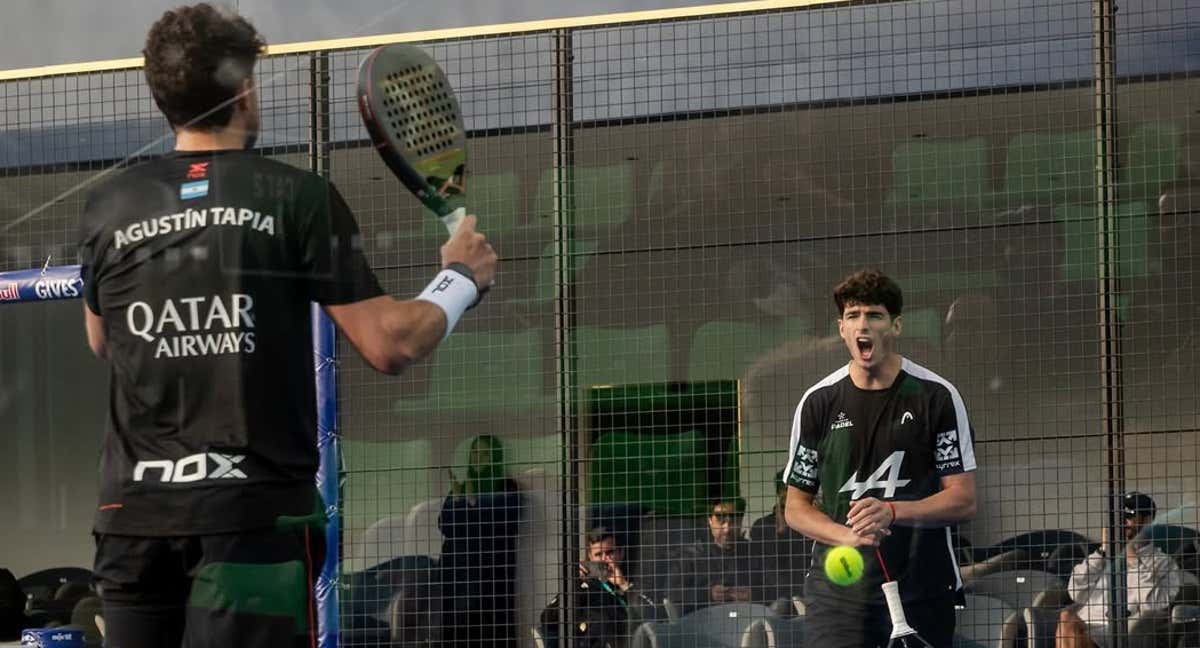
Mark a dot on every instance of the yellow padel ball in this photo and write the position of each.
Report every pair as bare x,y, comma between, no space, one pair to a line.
844,565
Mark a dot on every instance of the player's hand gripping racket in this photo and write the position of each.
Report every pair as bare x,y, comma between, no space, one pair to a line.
414,120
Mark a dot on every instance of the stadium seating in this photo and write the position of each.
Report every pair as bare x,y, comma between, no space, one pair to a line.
603,195
1151,159
733,625
981,621
1081,254
724,350
1050,168
1017,589
494,198
609,355
928,174
487,371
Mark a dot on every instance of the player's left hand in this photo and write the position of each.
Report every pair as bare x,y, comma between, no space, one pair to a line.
870,517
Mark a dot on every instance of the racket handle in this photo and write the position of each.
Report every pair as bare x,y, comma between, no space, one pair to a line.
453,219
900,627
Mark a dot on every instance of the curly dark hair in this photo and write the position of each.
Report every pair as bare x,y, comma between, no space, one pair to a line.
869,288
196,59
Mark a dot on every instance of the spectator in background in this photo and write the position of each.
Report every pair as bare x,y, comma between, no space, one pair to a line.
783,553
721,569
605,603
1152,579
12,607
480,521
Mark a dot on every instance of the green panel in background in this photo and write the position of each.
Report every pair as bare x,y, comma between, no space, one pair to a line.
485,370
724,350
1051,168
922,324
385,478
603,194
929,173
1081,253
670,447
611,356
493,198
1152,159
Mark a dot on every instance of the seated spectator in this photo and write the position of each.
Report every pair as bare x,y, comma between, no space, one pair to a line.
1152,579
480,521
605,605
782,553
12,607
722,568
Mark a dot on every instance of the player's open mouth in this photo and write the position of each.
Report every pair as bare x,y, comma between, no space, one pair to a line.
865,347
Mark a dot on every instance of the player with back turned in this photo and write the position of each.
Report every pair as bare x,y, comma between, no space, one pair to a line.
888,444
199,271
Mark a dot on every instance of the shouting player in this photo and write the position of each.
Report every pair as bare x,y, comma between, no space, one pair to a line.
888,444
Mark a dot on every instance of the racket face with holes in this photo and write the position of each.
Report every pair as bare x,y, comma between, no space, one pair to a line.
410,111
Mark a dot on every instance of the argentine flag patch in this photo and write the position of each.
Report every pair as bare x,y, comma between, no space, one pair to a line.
189,190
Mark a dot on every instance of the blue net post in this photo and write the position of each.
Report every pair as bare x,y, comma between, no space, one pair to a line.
326,589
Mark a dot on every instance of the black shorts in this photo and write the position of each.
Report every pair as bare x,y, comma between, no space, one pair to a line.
245,589
834,624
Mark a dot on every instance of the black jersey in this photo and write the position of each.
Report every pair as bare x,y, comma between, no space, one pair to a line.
203,266
891,444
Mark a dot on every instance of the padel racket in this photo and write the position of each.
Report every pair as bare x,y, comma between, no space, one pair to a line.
410,111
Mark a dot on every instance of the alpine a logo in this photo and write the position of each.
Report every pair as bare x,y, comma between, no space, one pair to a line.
886,478
841,422
192,468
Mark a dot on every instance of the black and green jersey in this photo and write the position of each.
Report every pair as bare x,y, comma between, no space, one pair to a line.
204,266
891,444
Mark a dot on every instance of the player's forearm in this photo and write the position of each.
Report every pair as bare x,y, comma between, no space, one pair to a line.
411,329
944,507
810,521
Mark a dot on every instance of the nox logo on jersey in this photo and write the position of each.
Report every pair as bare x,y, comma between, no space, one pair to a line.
203,271
204,465
892,444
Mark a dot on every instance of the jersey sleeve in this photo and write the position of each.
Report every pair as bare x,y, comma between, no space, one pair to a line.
90,254
331,250
954,447
803,454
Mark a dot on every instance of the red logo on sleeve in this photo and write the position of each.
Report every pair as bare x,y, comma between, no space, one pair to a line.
197,171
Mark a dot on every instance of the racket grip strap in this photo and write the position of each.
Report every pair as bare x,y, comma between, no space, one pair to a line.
900,627
453,292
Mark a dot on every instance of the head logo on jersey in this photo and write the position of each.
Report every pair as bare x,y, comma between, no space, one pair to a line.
195,326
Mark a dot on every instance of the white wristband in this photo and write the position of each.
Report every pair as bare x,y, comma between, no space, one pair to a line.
454,293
